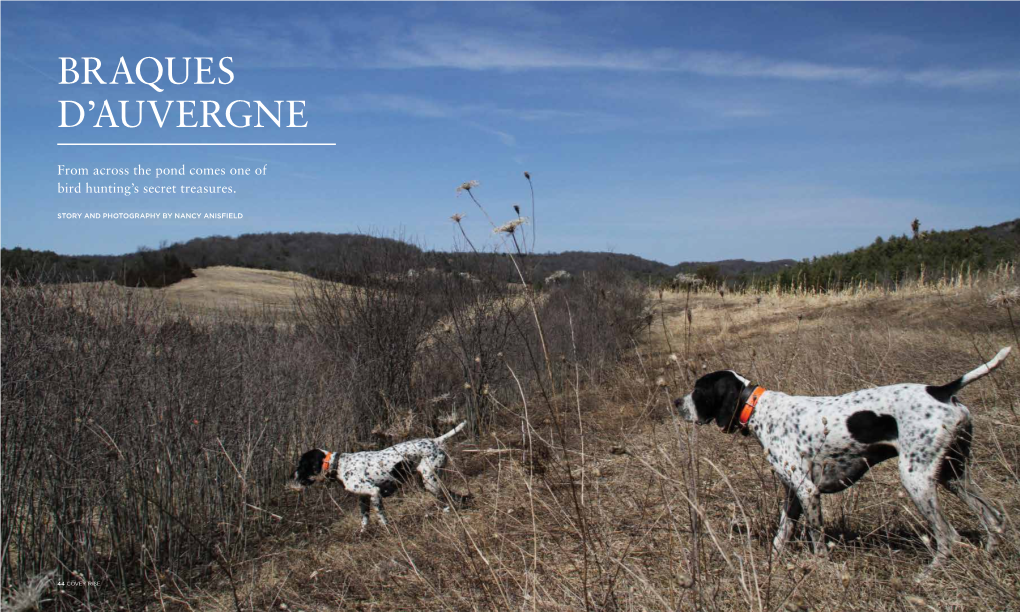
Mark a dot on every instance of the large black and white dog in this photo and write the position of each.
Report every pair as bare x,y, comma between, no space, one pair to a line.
825,444
373,475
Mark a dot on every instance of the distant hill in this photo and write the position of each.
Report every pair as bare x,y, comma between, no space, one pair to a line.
313,253
902,257
323,255
316,254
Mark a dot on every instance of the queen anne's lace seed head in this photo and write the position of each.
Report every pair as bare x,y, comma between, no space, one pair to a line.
510,226
1008,297
468,186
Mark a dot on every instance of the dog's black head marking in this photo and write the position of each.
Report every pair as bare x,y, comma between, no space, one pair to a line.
309,469
715,398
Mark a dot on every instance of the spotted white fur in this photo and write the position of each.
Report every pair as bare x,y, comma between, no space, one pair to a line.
372,475
822,445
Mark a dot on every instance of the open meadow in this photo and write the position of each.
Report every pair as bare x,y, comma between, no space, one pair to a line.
589,493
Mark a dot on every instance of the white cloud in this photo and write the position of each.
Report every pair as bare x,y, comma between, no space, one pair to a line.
963,78
536,43
426,47
416,107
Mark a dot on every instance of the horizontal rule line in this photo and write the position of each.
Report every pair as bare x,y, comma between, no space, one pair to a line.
196,144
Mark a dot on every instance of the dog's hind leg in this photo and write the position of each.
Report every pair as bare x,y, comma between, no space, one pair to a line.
954,474
969,493
919,481
434,486
787,520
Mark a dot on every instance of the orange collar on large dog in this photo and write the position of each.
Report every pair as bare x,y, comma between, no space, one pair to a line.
749,406
326,462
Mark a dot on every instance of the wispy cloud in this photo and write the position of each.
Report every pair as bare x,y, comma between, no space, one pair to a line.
963,78
407,105
478,115
507,139
405,42
417,107
426,47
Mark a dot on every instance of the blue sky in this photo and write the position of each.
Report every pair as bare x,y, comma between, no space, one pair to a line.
676,132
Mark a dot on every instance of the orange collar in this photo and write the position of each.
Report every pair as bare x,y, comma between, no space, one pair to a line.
326,462
749,406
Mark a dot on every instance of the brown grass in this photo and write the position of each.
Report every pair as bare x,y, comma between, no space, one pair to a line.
227,290
643,475
229,287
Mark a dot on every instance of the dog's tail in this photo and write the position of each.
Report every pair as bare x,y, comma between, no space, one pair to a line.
945,392
446,436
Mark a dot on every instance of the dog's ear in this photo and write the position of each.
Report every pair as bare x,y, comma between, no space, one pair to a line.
715,398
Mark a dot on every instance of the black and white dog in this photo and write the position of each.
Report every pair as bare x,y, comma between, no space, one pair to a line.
373,475
825,444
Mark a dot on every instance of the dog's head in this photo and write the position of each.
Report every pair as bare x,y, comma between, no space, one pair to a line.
310,469
714,398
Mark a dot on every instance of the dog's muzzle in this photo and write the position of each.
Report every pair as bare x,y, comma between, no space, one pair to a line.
684,407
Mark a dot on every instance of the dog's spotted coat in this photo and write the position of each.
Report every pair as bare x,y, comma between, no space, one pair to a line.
822,445
373,475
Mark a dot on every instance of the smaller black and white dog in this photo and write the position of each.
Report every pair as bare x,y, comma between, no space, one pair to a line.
822,445
373,475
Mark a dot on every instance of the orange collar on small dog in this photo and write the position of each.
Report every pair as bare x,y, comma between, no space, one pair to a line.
326,463
749,406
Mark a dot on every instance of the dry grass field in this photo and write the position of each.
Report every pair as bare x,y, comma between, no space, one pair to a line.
191,404
226,287
223,291
598,498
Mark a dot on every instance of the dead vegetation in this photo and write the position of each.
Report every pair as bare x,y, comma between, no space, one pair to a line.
653,515
146,450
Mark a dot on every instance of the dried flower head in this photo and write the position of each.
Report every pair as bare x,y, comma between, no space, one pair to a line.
517,209
30,595
685,279
1007,297
527,175
456,217
558,276
510,226
467,186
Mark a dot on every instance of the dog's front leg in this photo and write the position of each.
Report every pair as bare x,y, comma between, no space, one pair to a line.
377,504
363,501
811,501
791,513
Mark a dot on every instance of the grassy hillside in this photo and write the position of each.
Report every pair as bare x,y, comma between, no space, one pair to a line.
898,258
